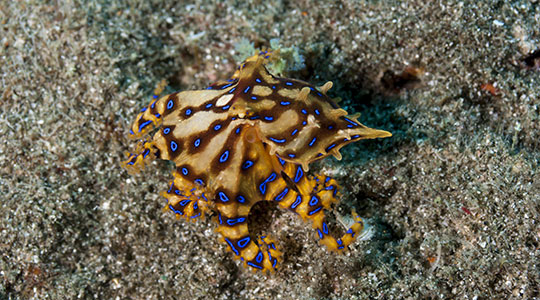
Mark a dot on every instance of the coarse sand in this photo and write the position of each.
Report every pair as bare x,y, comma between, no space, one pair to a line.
452,198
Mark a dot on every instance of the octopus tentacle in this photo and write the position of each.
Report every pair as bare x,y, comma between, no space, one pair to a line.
259,254
144,153
187,199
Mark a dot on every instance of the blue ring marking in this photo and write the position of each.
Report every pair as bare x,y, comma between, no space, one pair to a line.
226,86
274,263
217,127
330,127
144,125
197,142
184,202
282,195
144,109
291,155
204,197
254,117
326,179
273,87
170,188
312,141
177,191
299,174
188,112
223,197
247,164
234,118
339,242
262,186
304,123
294,132
330,147
317,112
240,199
319,155
131,132
219,218
246,89
258,80
281,161
226,107
304,111
350,121
199,181
230,80
268,118
259,257
232,90
209,88
185,171
208,105
285,103
341,247
325,228
355,136
320,234
130,163
145,153
153,105
276,140
296,202
330,187
232,247
233,222
174,210
170,104
195,205
314,211
243,242
224,156
253,98
254,265
174,146
237,131
313,201
157,115
196,216
288,83
166,130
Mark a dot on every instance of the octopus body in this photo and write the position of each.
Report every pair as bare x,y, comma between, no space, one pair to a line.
248,139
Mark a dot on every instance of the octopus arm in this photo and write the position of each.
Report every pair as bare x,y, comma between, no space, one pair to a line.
310,197
252,176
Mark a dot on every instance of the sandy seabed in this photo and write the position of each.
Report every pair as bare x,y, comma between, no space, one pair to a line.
453,198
